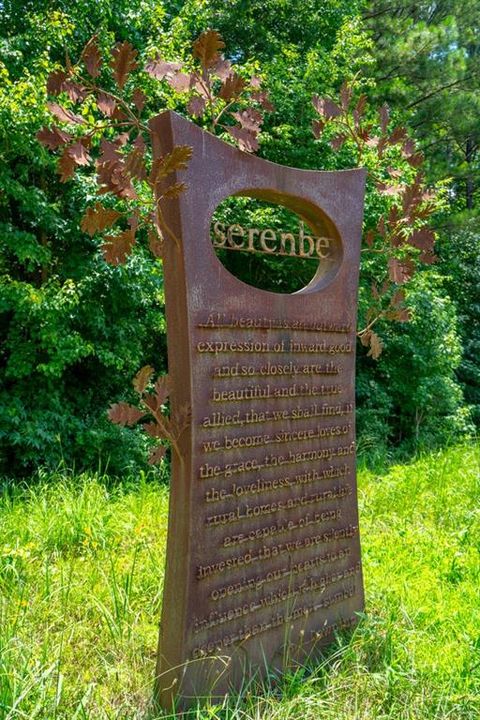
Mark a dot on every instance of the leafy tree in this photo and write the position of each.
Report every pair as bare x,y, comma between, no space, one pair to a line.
424,404
111,123
399,204
427,68
427,63
460,251
74,329
412,397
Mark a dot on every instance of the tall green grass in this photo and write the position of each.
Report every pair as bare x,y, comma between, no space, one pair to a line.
81,567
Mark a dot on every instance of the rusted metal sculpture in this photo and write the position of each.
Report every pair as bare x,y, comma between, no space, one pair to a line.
263,554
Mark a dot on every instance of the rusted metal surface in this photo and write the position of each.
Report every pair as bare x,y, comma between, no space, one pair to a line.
263,555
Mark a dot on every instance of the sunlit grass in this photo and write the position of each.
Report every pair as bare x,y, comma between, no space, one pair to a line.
81,568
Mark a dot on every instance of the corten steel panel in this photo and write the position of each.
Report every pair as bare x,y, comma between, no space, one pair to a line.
263,553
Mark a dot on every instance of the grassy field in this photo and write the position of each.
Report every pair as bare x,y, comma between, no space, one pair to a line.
81,564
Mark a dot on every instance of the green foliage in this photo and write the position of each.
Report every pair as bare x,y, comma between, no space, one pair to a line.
427,66
69,348
460,252
73,329
420,403
80,592
73,332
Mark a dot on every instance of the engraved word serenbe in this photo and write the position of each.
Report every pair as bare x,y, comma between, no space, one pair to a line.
271,242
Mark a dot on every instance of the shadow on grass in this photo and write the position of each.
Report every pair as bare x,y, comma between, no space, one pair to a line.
258,694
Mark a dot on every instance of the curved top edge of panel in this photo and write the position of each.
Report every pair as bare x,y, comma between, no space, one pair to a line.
178,122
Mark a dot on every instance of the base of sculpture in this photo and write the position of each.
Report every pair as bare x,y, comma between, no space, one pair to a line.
214,679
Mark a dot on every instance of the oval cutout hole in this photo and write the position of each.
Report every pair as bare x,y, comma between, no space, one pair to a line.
274,247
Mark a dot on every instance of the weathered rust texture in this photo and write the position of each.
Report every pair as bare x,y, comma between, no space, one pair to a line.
235,605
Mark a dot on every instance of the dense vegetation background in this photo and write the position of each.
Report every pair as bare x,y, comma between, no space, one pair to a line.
74,330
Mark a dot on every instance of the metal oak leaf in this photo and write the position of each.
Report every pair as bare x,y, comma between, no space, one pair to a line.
398,298
63,114
222,69
77,93
139,99
384,114
180,82
250,119
389,189
176,160
134,165
53,137
416,159
337,141
155,243
232,87
162,389
124,414
206,48
106,104
123,62
345,95
325,107
400,271
98,218
142,378
408,148
263,99
247,140
173,191
109,151
116,248
92,58
196,105
66,166
402,315
157,454
373,341
376,346
423,239
318,127
56,82
155,430
160,69
360,106
180,420
78,153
